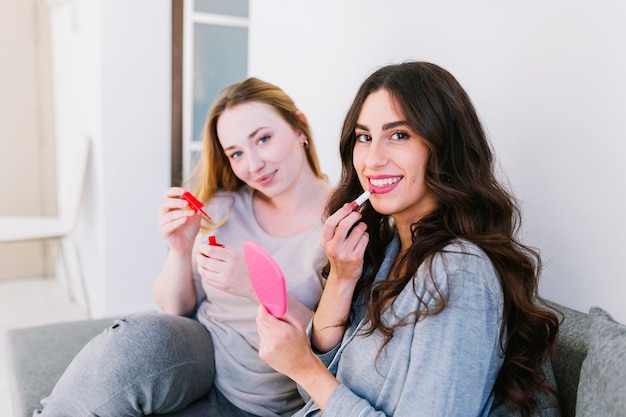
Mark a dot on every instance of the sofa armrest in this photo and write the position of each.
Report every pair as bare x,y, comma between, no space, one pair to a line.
37,356
571,351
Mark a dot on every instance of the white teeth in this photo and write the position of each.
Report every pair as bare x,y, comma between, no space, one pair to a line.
384,182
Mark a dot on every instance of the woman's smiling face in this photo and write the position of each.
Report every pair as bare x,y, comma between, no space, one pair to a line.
390,160
263,149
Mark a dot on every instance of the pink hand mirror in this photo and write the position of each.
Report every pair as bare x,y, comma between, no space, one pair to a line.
267,279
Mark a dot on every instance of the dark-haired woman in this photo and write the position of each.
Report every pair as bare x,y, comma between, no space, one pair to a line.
430,306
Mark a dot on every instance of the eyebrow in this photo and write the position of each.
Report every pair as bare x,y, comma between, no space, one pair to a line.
250,136
386,126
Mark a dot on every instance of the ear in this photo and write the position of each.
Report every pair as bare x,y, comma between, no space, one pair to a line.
302,118
304,121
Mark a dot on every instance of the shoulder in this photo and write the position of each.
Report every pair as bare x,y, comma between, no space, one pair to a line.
464,270
462,255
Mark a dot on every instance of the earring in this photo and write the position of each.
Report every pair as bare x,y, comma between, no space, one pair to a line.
305,144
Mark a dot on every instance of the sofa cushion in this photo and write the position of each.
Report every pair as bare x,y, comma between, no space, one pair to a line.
601,388
37,356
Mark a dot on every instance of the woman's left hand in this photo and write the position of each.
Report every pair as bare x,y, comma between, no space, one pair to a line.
285,346
283,343
225,269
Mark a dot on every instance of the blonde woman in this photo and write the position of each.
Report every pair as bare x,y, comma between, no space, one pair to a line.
259,178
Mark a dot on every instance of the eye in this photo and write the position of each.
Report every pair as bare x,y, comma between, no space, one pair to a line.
363,137
400,136
235,155
263,139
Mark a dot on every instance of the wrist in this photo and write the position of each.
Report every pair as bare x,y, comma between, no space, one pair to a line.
318,382
179,253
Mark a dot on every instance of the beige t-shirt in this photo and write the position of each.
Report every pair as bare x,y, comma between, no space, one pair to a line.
241,375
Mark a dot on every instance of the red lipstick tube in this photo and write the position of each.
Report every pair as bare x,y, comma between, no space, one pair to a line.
360,200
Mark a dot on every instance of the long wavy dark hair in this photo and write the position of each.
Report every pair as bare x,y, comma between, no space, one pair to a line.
471,205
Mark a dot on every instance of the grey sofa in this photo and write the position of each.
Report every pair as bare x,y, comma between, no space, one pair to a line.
37,356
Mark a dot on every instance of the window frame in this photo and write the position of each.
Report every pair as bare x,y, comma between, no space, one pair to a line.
184,17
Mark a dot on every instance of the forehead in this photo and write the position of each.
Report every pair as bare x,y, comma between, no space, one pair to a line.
379,107
245,118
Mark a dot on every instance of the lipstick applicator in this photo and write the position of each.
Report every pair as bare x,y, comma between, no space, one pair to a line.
195,204
354,205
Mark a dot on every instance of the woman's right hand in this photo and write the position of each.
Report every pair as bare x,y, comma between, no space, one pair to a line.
344,240
177,223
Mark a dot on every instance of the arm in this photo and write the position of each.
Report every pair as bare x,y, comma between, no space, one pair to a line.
174,289
344,244
332,313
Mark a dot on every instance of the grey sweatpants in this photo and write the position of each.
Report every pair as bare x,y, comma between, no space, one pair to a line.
141,365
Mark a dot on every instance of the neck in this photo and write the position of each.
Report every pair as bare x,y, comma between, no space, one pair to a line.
293,212
307,191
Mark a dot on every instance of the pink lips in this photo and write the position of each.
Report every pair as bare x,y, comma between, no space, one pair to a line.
382,189
265,179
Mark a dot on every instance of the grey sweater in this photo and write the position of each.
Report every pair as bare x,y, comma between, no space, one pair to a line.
442,365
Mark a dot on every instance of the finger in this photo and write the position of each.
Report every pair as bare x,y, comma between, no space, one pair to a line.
338,224
345,226
174,192
209,264
263,318
174,205
291,319
203,249
175,216
171,226
333,220
346,237
356,236
220,253
362,245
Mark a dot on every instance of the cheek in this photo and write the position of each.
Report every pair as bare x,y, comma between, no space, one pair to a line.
238,168
285,154
358,159
420,162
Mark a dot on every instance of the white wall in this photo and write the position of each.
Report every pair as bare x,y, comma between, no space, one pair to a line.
115,87
548,79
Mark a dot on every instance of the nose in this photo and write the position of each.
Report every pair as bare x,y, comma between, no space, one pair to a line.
376,154
255,162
